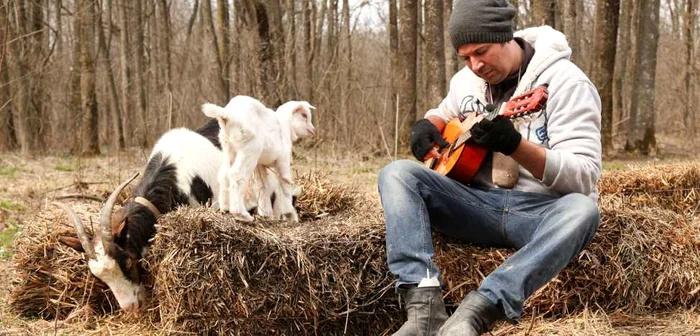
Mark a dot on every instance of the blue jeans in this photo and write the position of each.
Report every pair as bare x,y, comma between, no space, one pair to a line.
547,231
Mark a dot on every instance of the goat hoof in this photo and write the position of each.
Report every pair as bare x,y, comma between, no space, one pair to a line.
292,218
243,217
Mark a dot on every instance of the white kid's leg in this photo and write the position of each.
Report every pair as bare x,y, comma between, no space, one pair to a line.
239,175
267,187
223,188
286,207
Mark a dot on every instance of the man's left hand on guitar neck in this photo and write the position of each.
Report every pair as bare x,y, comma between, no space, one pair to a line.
500,135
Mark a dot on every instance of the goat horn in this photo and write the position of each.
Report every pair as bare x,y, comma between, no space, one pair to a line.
106,214
80,230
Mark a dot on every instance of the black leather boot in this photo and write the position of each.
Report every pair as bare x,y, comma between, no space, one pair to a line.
473,317
426,311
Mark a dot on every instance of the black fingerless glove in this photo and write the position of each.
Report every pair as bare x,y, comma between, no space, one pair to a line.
498,135
424,136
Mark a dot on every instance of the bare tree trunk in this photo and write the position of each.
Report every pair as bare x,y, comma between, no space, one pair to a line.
290,63
8,138
236,48
674,10
332,34
346,70
331,61
621,56
628,80
641,128
316,50
112,85
89,144
125,63
604,43
689,118
582,32
276,48
543,12
74,82
451,61
421,66
516,20
266,54
395,70
165,33
140,82
570,29
408,15
435,53
306,68
39,43
210,33
25,61
224,39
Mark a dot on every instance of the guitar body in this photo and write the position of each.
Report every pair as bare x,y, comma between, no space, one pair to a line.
463,162
462,158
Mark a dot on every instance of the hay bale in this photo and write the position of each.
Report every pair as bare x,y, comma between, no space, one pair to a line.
639,259
53,280
322,196
672,186
213,275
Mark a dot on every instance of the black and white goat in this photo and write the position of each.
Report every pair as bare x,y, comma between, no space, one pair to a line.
181,170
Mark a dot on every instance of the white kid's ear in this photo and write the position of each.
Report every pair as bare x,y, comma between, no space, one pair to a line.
303,106
213,111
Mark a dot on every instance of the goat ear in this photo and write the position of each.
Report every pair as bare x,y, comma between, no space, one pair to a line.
72,242
303,106
214,111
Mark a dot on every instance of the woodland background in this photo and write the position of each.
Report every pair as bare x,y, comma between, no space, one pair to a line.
88,77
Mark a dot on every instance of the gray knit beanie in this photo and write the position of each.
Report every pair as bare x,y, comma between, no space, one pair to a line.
481,21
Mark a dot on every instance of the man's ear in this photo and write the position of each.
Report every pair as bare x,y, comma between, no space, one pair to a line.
72,242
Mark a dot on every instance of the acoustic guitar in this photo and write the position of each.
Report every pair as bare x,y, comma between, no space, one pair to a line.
462,158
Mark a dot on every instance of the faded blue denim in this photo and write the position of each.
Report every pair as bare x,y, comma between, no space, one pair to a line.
547,231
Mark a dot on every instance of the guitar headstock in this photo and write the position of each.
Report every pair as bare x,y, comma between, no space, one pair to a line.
529,102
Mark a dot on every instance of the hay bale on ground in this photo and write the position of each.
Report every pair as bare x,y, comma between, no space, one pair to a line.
322,196
639,259
213,275
673,186
53,280
325,276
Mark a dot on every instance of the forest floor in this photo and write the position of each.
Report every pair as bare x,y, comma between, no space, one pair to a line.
29,185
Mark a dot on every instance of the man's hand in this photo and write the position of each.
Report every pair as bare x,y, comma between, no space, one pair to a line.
424,136
498,135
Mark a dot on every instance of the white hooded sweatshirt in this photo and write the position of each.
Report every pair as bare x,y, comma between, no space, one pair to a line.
568,129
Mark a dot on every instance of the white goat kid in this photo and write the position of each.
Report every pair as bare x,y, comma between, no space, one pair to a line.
256,139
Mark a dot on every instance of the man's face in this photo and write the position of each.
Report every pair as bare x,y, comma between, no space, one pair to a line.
490,61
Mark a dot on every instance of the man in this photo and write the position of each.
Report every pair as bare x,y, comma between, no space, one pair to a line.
549,215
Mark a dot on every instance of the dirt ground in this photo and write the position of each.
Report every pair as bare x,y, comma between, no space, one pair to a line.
28,185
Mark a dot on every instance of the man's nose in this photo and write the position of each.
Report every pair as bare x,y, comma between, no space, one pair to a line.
476,65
